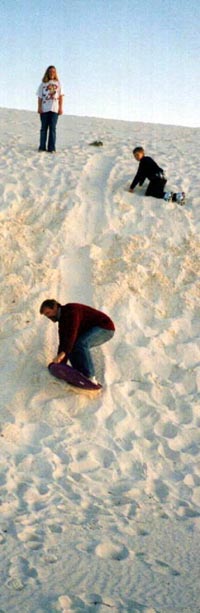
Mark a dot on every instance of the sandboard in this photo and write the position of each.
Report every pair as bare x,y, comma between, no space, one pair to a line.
73,377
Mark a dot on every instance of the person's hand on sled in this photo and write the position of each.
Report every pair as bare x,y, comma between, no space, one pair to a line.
59,358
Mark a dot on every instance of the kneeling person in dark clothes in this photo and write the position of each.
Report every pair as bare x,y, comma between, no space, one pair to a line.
148,169
80,327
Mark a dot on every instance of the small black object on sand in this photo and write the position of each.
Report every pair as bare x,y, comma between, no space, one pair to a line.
97,143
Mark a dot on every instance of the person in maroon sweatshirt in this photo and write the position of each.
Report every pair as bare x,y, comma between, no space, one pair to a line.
80,327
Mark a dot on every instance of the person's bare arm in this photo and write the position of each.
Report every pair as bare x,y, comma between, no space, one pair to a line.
39,105
60,105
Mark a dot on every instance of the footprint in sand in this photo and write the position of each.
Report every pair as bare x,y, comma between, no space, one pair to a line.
112,551
158,565
50,557
15,584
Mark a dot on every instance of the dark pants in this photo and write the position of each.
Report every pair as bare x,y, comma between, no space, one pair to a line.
80,357
156,187
48,122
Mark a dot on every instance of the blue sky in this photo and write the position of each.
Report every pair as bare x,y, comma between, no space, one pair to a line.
136,60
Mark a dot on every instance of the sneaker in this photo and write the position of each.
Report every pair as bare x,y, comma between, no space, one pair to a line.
167,196
93,380
180,197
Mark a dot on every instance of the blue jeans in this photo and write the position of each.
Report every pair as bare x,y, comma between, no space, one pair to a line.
80,357
48,122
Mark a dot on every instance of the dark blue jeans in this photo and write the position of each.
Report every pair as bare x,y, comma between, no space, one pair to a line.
48,122
80,357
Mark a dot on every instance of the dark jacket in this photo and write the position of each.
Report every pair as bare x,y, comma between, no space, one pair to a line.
148,169
75,319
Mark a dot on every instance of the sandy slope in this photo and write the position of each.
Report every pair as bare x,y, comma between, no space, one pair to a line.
100,500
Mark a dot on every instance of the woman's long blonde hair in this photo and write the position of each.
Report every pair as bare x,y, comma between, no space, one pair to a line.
46,75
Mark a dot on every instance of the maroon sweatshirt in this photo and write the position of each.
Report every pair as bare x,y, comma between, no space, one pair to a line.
75,319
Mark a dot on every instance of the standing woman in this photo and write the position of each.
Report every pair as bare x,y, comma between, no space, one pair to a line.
50,99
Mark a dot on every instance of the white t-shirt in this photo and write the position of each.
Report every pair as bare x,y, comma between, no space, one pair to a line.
50,93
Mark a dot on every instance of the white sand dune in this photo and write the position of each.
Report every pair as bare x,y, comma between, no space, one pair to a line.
100,499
